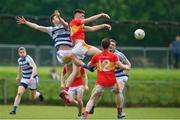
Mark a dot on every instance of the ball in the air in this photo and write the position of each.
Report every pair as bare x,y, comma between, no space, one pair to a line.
139,34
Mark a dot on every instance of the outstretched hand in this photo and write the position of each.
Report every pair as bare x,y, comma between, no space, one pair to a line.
105,15
21,20
108,26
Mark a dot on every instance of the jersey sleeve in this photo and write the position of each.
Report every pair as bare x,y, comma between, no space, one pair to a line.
123,57
30,60
50,29
18,61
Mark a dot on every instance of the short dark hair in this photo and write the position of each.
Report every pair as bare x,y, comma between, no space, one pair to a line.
79,11
114,41
105,43
52,17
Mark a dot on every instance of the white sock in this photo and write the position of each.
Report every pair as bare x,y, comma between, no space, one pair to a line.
37,94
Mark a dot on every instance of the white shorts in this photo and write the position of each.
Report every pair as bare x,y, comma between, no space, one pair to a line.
33,85
76,89
80,50
122,78
61,56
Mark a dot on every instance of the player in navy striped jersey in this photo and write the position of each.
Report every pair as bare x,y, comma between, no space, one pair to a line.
29,78
121,76
60,34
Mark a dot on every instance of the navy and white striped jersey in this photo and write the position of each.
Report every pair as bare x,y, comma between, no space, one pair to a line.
25,64
122,57
60,35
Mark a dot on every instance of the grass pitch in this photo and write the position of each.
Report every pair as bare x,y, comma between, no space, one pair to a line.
61,112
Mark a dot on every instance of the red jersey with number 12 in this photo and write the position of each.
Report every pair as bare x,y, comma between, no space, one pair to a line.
105,62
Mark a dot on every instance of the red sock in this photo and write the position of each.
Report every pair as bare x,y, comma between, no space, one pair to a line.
86,113
119,110
66,88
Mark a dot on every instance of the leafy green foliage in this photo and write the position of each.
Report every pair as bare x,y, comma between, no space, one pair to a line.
147,10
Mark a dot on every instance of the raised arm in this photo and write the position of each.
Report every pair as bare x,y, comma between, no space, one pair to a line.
62,21
97,27
94,18
22,20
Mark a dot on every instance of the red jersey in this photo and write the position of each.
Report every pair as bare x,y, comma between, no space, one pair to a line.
77,29
105,62
78,80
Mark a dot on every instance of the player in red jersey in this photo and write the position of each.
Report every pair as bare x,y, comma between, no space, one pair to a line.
78,28
106,62
79,84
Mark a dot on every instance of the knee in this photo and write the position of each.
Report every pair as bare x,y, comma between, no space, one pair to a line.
19,94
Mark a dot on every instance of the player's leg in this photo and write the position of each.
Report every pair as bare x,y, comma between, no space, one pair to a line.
119,98
75,56
21,89
92,51
97,91
72,94
96,101
64,93
80,91
33,89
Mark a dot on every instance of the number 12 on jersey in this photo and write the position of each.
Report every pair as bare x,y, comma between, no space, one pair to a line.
104,65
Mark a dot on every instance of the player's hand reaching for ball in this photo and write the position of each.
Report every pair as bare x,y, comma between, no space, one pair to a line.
21,20
108,26
105,15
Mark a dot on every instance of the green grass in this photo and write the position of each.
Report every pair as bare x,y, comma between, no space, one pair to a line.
57,112
135,74
146,87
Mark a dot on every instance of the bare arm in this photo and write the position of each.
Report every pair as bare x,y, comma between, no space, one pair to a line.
22,20
94,18
97,27
120,65
34,69
18,74
62,21
91,65
129,64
